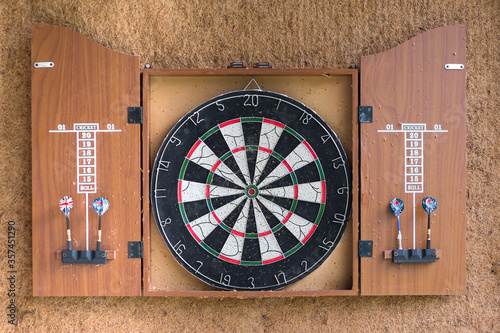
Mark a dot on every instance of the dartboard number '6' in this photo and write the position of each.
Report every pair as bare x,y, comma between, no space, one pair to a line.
251,191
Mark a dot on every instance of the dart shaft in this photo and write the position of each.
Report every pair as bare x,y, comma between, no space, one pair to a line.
99,235
400,244
429,231
68,231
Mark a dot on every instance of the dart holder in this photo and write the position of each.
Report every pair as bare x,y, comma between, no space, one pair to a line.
83,257
414,255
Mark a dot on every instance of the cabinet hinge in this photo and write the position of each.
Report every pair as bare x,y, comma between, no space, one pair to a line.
134,114
237,65
365,114
135,249
365,248
262,65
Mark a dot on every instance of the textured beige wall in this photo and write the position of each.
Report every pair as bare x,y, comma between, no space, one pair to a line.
289,34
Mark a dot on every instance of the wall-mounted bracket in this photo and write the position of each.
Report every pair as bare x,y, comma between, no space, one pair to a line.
454,66
44,64
414,255
83,257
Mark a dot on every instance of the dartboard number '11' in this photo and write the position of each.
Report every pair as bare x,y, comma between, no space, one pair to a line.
251,191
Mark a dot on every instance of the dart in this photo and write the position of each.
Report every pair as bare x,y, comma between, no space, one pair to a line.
100,205
65,205
397,206
429,204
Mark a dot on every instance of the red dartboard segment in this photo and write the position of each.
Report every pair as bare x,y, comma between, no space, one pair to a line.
233,261
216,217
229,122
285,163
238,149
265,233
273,122
193,233
216,165
285,220
310,149
309,234
237,233
270,261
269,151
179,191
323,192
193,149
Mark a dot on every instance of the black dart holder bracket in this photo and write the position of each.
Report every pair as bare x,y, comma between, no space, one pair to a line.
83,257
414,255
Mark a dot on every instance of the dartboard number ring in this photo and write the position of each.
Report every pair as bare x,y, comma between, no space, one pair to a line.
251,191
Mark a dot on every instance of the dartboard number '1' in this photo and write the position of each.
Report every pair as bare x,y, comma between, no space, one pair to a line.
251,191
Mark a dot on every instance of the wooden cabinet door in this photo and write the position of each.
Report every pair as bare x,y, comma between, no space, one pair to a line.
415,148
83,147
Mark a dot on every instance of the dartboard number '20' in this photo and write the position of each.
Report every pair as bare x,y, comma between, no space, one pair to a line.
251,191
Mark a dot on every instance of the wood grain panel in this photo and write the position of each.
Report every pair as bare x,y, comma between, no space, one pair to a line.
409,84
87,84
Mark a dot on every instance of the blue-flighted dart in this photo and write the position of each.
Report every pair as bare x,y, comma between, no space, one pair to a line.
429,204
397,206
65,205
100,205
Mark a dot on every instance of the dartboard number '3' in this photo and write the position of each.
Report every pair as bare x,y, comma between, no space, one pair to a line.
251,191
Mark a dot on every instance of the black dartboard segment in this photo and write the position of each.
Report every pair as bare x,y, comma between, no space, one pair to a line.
251,191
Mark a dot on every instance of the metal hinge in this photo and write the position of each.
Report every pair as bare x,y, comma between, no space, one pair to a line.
135,249
239,64
262,65
134,114
365,248
365,114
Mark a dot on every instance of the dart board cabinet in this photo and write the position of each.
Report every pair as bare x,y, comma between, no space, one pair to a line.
248,182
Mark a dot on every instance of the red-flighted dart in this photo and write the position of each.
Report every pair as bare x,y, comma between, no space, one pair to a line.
397,206
65,205
100,206
429,204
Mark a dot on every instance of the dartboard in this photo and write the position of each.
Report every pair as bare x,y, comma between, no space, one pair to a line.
251,191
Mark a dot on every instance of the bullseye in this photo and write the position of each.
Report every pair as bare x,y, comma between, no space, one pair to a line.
251,191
